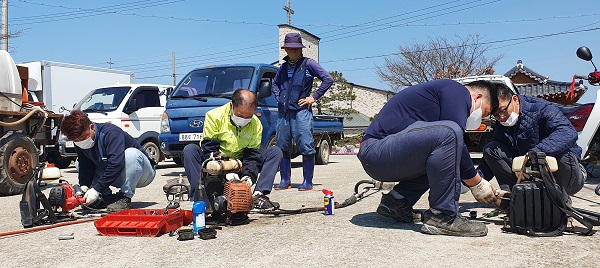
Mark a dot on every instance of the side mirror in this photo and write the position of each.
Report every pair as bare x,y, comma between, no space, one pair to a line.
131,106
264,89
584,53
169,90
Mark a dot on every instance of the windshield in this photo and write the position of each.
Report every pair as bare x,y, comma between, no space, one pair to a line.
102,99
214,82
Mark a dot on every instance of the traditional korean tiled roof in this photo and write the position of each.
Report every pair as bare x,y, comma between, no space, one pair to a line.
544,88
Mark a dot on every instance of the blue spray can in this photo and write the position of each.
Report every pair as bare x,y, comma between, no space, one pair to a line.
198,210
328,202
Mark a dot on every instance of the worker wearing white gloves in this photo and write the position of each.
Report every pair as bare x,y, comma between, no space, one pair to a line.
416,140
524,124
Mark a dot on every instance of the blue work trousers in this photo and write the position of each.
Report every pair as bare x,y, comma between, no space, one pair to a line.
425,155
498,156
138,173
296,125
193,157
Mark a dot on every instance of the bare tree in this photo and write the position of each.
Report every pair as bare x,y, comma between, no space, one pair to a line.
438,58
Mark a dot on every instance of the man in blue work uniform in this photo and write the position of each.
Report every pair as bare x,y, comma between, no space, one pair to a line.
527,123
107,156
292,89
417,140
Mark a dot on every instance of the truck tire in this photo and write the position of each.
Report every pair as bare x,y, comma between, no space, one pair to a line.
18,156
153,151
323,151
178,160
272,141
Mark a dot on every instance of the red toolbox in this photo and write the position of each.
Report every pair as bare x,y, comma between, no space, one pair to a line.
142,222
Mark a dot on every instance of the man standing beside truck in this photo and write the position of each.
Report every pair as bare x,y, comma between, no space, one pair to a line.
235,131
107,156
292,88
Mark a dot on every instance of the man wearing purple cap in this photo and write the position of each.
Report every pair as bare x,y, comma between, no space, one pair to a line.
292,87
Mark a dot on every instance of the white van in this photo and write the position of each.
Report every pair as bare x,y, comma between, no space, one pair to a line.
135,108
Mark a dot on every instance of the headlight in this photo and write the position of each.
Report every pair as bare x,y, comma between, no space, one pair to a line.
164,124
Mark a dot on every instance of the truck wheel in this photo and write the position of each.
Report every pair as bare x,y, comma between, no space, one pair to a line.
178,160
323,151
152,151
272,141
18,156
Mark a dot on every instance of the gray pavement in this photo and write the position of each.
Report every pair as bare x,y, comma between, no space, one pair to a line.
355,236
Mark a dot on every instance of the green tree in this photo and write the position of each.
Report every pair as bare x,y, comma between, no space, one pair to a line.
338,99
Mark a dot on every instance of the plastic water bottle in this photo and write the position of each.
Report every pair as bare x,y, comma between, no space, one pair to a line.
328,202
198,210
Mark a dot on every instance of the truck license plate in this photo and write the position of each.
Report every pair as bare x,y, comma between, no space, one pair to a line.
69,144
190,136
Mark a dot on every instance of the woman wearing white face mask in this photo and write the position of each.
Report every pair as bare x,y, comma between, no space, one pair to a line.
527,123
107,156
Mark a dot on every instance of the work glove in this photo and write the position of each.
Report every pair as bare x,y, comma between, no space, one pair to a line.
232,177
91,196
247,180
483,192
84,188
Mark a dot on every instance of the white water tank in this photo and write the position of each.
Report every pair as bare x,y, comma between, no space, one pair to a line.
10,84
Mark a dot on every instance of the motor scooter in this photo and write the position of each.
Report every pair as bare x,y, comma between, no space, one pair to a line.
589,139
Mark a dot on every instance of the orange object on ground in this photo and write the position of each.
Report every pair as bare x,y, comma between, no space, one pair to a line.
142,222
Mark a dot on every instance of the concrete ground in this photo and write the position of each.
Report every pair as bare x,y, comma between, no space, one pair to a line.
355,236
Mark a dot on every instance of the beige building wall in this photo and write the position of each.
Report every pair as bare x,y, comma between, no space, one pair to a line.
368,100
310,41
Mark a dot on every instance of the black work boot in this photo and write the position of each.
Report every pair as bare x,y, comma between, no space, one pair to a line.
122,202
397,209
451,225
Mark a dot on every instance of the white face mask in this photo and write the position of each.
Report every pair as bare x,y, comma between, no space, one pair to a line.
239,121
474,119
85,144
511,120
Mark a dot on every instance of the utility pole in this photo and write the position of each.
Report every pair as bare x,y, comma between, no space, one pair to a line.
110,63
173,67
289,11
5,25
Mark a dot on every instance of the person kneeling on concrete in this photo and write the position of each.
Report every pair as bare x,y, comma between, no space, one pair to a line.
524,124
417,140
234,131
107,156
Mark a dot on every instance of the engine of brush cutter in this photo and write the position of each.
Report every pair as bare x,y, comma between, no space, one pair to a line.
228,200
66,197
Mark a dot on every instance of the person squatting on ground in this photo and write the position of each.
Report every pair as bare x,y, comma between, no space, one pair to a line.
234,131
417,140
292,88
107,156
526,123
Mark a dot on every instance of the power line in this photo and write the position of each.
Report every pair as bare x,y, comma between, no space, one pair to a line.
114,9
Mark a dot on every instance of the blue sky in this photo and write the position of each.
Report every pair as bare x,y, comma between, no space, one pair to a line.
140,36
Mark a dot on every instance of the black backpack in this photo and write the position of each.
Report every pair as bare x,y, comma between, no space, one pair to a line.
32,214
541,208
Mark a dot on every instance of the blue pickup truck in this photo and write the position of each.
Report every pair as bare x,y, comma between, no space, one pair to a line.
204,89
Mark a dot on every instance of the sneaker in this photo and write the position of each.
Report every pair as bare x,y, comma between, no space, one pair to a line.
122,202
458,225
397,209
262,201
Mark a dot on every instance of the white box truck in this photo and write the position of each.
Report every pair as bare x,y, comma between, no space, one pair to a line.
59,85
63,85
